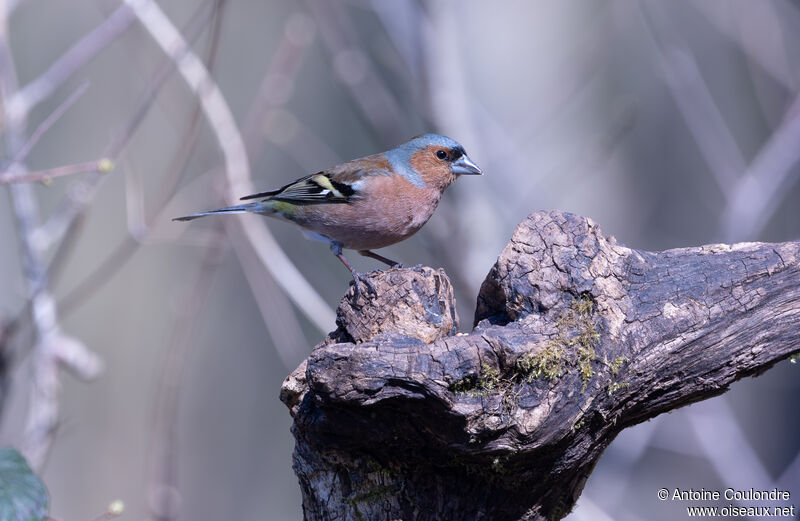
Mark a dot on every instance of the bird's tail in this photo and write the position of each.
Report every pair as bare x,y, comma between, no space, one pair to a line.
242,208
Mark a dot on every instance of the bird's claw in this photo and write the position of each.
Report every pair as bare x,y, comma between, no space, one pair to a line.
357,281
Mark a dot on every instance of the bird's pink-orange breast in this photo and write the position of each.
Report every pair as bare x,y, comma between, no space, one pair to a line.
389,210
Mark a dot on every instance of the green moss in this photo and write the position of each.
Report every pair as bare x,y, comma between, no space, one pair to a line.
549,362
577,333
617,364
578,424
573,346
585,357
371,496
490,378
616,386
487,381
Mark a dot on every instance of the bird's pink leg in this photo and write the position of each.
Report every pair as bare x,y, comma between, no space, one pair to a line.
390,262
336,248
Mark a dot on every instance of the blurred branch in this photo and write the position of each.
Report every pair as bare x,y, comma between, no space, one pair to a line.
22,154
702,118
68,216
696,105
279,317
758,193
267,118
355,71
45,176
752,193
64,223
279,81
768,52
164,502
77,56
739,472
53,349
221,120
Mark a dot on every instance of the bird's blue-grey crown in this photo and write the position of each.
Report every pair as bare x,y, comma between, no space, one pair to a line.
400,156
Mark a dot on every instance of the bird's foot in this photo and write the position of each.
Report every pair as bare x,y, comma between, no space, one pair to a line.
358,279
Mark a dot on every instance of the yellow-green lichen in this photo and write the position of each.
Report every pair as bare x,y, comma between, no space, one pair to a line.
578,333
616,386
549,362
617,364
487,381
573,346
585,357
371,496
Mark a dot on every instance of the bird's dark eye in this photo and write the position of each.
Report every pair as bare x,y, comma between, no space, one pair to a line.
441,154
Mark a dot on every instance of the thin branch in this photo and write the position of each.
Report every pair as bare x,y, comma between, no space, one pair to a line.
53,349
22,154
356,73
26,98
138,231
45,176
163,435
221,120
279,317
759,191
279,80
767,52
68,216
697,107
752,193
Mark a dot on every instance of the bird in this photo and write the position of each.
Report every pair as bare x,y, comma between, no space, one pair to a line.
366,203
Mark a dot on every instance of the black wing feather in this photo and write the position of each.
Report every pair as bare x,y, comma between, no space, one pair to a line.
309,190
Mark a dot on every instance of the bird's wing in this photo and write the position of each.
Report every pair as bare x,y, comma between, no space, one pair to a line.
339,184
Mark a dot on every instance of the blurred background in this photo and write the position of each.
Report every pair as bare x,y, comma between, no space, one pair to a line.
670,124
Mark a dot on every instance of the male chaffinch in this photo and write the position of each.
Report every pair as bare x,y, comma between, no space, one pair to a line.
366,203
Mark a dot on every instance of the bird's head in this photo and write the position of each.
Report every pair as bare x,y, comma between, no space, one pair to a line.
432,160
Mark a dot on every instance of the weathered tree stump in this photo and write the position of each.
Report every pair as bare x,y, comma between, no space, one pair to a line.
398,417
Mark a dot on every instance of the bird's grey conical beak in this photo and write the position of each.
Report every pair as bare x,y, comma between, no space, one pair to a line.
464,166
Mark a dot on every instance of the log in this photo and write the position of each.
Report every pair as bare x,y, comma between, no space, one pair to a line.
399,416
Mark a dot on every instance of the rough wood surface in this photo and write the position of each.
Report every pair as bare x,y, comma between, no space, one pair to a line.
576,338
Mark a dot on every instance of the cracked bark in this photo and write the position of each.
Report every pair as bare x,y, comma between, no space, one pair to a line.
396,416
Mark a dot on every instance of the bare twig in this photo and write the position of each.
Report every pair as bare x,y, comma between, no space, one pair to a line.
68,216
100,165
769,53
218,114
22,154
140,230
280,320
354,70
278,82
697,107
757,194
53,349
752,193
163,436
26,98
